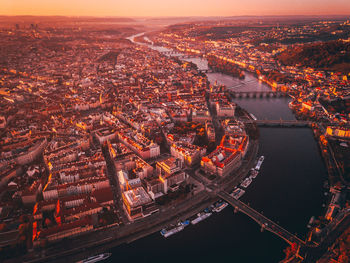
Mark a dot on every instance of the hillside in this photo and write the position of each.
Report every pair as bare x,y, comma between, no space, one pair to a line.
332,55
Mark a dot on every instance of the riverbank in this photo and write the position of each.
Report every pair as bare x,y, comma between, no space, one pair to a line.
328,214
333,209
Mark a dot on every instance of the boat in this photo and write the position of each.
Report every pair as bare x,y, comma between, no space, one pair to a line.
253,117
219,206
185,223
200,217
96,258
311,221
260,161
254,173
237,193
173,229
291,105
246,182
207,210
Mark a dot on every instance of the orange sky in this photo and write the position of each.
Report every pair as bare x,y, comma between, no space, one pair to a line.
173,7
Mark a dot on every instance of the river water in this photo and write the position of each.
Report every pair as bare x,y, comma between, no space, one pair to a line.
288,190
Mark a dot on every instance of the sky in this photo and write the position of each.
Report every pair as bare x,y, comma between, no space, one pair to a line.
174,7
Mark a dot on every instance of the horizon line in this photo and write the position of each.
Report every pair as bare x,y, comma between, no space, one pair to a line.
180,16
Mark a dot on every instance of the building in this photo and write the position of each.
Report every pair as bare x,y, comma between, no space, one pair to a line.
155,187
172,181
307,105
209,128
340,132
201,115
168,166
225,109
233,127
61,231
135,165
170,174
127,183
189,154
222,161
136,201
140,145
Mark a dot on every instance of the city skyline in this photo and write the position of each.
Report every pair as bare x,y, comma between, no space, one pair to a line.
199,131
175,8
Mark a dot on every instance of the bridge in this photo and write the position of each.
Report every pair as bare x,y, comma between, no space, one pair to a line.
169,52
205,70
185,56
180,55
280,123
257,94
262,220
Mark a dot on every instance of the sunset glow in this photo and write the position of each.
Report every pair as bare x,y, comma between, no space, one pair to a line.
174,8
123,118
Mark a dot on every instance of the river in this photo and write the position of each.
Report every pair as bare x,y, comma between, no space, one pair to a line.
288,190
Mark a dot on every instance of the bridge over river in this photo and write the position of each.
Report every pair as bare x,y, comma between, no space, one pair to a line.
262,220
257,94
280,123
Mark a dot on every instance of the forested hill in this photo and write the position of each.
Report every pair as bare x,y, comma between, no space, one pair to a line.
332,55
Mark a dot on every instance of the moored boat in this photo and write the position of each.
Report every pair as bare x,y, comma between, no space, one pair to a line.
237,193
96,258
171,230
253,173
219,206
259,163
200,217
246,182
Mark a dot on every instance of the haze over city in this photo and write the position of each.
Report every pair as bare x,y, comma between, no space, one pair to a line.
174,7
